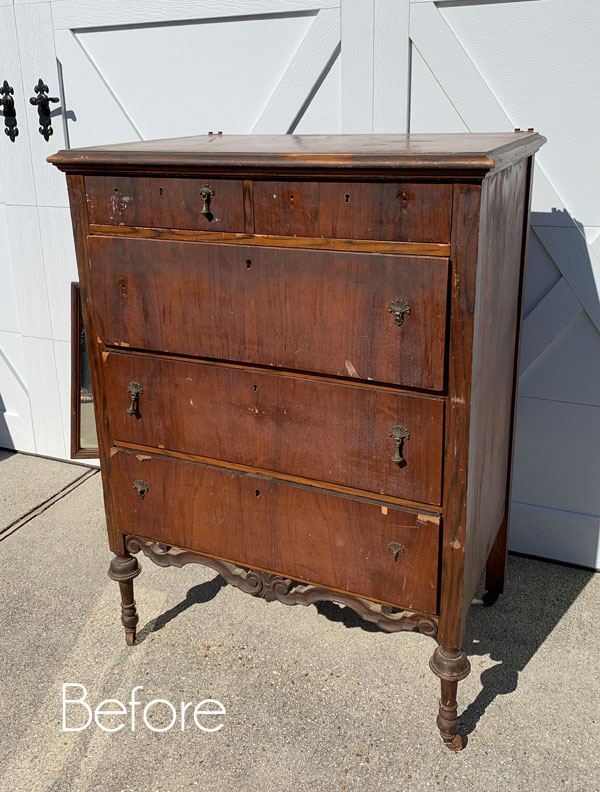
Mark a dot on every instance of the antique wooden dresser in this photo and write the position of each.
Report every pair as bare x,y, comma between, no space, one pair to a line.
303,354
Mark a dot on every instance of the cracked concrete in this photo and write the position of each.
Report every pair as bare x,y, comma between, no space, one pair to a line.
315,698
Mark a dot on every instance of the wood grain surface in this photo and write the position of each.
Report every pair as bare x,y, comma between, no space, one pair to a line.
370,210
313,310
306,535
462,156
465,241
504,211
441,249
279,423
165,202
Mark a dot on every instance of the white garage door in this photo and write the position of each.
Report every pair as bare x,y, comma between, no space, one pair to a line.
127,70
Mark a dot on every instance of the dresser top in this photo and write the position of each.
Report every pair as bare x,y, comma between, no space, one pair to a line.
475,154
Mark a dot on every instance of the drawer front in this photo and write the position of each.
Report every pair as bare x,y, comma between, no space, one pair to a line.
304,310
278,423
395,211
295,531
157,202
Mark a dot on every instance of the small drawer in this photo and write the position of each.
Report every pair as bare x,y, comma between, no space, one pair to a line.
387,211
277,423
335,541
357,315
168,202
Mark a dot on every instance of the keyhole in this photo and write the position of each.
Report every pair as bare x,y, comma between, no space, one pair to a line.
255,388
347,197
248,264
160,190
291,199
116,189
257,493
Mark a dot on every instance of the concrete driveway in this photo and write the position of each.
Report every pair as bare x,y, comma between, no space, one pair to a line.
315,698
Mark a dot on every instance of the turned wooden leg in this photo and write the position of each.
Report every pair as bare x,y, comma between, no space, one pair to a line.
124,568
450,665
495,569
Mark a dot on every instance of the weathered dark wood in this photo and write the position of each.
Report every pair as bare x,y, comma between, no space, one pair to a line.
310,536
79,218
174,203
465,229
77,452
273,587
423,509
457,156
495,568
75,373
497,559
304,310
123,569
278,423
504,207
369,210
247,187
450,665
306,243
276,353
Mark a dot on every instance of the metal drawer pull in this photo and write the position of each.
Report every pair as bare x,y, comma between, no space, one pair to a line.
399,307
400,434
141,487
135,390
206,193
396,548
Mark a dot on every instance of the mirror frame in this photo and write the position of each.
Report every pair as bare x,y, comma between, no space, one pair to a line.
77,452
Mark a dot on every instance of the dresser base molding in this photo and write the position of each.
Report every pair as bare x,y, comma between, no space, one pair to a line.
272,587
450,665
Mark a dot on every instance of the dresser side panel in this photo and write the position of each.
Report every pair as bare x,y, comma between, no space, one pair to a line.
464,250
80,221
504,207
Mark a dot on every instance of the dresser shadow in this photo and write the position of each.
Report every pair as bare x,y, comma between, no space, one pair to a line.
197,595
537,596
345,615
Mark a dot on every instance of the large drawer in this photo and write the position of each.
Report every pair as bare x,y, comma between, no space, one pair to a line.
393,211
330,312
307,535
329,431
163,202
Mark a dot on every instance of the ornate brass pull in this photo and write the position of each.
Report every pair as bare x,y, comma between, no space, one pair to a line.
206,193
400,434
141,487
399,307
135,390
396,548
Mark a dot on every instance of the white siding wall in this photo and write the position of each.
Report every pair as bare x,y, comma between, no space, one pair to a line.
477,66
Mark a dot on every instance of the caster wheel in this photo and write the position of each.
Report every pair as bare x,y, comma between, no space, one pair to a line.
455,744
489,598
130,638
